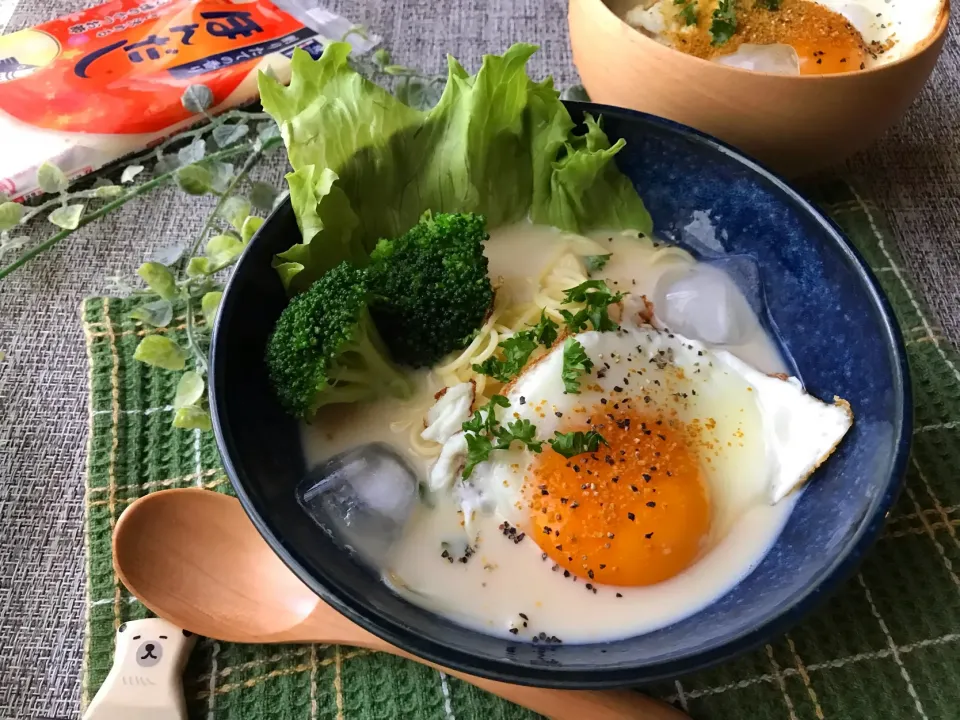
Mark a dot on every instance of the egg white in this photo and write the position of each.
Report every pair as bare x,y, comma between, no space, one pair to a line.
907,23
761,436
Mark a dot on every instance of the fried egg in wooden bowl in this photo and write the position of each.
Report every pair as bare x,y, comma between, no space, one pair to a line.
798,84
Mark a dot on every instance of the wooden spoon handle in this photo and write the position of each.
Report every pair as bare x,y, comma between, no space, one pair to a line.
569,704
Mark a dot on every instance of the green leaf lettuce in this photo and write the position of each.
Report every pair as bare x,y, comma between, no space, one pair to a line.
366,166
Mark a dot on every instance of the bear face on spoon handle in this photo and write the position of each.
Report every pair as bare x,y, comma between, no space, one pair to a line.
145,682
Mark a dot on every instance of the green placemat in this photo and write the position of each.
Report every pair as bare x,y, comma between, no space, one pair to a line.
886,646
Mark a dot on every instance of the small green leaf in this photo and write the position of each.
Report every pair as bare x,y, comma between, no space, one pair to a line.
166,164
189,390
130,172
194,179
250,226
235,210
269,135
223,249
167,255
222,173
225,135
196,98
263,195
108,191
192,153
10,214
51,179
158,313
199,266
9,244
118,285
381,57
159,279
192,418
161,352
67,216
209,305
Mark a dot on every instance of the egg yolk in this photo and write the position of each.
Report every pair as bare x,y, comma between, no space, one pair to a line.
633,513
827,57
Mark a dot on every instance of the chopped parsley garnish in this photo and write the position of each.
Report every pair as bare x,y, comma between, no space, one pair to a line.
595,263
688,13
575,363
581,291
577,442
483,428
596,297
517,350
485,419
522,431
724,23
769,4
545,331
478,450
575,321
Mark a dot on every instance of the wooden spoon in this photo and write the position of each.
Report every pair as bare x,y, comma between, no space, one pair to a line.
194,558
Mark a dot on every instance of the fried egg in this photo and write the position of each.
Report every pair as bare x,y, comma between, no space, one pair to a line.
476,550
687,451
799,37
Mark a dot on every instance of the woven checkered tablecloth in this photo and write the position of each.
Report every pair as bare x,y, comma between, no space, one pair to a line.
887,646
912,175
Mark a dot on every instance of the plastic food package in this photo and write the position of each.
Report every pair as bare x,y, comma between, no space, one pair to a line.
89,88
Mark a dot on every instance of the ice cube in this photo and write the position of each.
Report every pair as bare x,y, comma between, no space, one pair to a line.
703,303
362,497
775,58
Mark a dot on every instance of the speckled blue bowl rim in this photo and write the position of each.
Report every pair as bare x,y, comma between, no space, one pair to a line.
844,563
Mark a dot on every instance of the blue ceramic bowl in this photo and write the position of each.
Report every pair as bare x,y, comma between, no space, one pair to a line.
820,300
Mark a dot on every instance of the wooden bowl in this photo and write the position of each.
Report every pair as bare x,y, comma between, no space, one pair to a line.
795,124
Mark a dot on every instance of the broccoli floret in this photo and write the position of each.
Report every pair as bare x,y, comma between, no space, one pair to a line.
432,291
325,348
